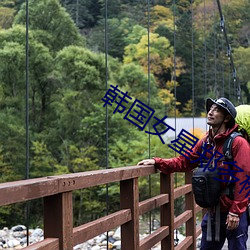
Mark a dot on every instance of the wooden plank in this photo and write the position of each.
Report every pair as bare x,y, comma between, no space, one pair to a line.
198,209
182,190
46,244
152,203
90,230
182,218
24,190
58,219
167,210
154,238
98,177
129,196
190,205
198,231
185,244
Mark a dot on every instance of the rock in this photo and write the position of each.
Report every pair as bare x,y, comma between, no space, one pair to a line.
117,234
18,247
117,244
13,243
103,243
100,238
3,233
38,232
18,234
18,228
95,248
16,238
111,233
180,237
91,242
80,246
111,239
23,240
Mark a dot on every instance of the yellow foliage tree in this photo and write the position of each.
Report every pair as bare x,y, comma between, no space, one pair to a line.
160,63
198,132
161,16
160,55
6,17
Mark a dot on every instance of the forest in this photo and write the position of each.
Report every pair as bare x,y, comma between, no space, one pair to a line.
170,55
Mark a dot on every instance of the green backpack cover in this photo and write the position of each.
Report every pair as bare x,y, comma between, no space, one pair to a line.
243,118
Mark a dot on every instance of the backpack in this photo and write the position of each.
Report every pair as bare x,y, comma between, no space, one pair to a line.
207,190
206,187
243,120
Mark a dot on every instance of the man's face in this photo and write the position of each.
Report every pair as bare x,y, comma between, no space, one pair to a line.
215,116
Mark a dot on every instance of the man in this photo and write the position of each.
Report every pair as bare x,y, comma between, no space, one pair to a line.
221,115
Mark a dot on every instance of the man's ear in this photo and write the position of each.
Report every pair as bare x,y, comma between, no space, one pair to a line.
228,118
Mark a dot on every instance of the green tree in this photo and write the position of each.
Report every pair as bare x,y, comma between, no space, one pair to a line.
134,80
78,75
84,13
241,56
131,9
118,31
53,25
42,163
13,60
12,108
13,148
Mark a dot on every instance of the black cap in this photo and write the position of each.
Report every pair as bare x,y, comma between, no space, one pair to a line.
223,103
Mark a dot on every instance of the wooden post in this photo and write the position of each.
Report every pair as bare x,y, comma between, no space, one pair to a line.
58,219
190,205
167,210
129,197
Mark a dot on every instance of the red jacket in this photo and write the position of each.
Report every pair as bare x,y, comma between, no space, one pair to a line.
240,153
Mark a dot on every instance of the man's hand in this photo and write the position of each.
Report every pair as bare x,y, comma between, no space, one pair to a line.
232,222
146,162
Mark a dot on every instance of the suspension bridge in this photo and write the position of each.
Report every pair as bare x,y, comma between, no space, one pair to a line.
56,192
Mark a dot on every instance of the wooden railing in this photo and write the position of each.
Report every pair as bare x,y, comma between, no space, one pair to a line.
56,192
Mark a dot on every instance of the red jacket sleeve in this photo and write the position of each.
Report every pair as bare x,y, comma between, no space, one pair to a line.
241,155
180,163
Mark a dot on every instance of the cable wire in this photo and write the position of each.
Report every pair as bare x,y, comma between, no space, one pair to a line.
27,206
229,54
175,94
107,120
174,59
149,137
205,51
215,55
192,23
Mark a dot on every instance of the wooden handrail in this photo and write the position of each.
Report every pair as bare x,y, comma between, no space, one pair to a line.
24,190
58,208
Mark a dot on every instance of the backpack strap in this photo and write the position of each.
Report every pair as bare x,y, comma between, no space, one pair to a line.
227,151
227,147
217,223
